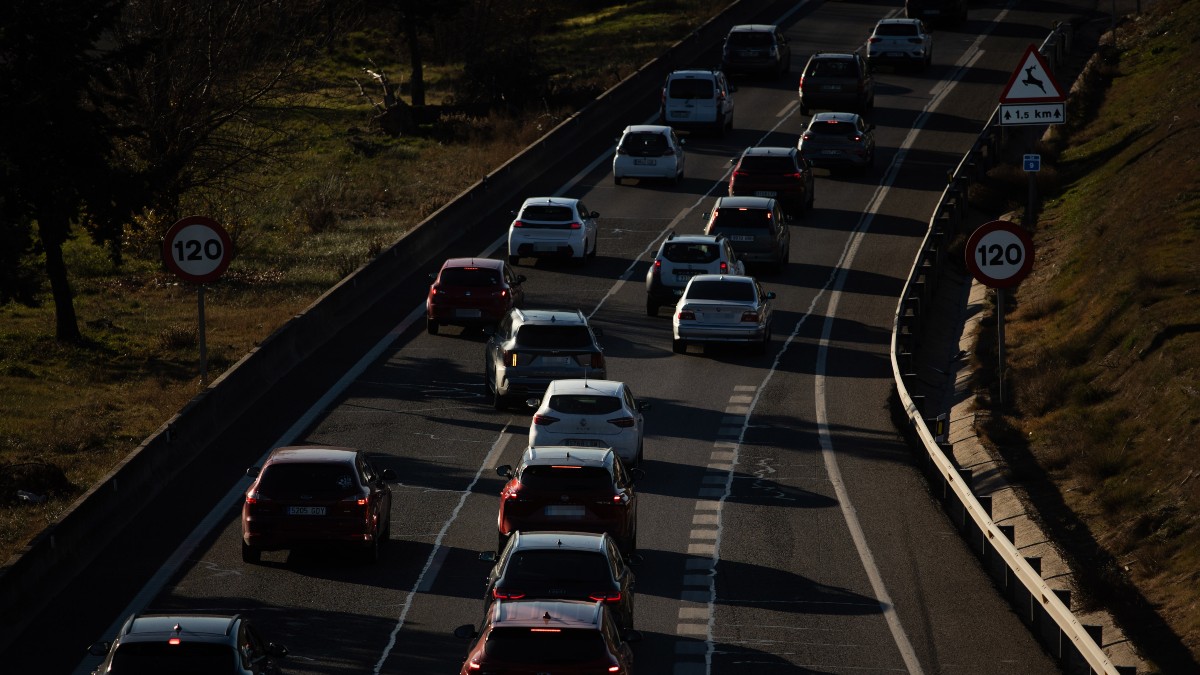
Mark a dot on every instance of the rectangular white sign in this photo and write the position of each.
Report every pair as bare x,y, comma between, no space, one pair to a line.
1012,114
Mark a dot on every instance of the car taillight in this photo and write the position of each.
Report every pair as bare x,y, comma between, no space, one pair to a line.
517,223
174,641
473,665
597,360
793,176
511,493
724,267
801,82
806,137
873,40
739,174
544,420
510,358
506,595
619,498
576,226
750,316
622,422
433,290
656,268
856,138
606,597
614,669
252,497
686,315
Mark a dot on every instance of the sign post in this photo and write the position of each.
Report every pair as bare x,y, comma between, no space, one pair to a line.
999,255
198,250
1032,98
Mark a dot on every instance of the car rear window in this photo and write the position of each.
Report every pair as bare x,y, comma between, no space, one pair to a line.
553,646
691,253
730,217
548,212
540,566
767,164
566,478
721,290
834,129
580,404
537,336
186,658
751,39
644,144
318,480
896,29
690,89
469,276
832,68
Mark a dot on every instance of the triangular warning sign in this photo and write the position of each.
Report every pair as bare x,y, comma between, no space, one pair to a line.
1032,82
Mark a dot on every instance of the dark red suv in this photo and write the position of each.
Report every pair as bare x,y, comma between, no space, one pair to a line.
573,489
472,292
312,496
774,172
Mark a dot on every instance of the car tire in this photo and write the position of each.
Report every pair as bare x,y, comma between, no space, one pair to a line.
651,308
811,198
616,179
513,260
678,346
498,401
250,554
595,249
641,453
431,326
372,552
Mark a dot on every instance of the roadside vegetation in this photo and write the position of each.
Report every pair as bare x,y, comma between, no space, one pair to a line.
1101,418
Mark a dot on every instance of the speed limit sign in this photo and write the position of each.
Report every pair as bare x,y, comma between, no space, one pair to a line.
999,254
197,249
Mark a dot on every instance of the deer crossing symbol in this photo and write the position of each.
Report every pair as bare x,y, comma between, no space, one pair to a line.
1031,80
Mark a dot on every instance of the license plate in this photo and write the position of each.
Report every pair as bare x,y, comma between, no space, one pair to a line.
742,237
545,247
682,277
306,510
555,361
565,511
765,193
467,313
645,161
584,443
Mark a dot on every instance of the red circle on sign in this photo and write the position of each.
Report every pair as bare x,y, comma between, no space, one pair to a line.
999,254
197,249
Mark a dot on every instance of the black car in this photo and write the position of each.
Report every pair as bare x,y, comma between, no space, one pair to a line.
839,81
531,348
756,228
188,644
562,565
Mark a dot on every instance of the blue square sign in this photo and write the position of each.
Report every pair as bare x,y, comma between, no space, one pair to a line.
1033,163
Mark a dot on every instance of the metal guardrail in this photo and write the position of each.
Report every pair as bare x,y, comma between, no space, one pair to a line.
1043,609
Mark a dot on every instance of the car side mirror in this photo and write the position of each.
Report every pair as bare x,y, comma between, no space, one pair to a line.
631,635
598,331
465,632
489,330
637,474
643,406
254,471
633,560
504,470
533,403
770,295
521,279
594,214
100,648
488,556
387,474
278,651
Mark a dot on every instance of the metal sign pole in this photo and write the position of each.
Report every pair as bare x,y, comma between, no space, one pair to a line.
203,347
1031,205
1000,342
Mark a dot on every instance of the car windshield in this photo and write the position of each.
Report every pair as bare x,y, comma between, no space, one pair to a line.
688,88
555,565
741,217
160,658
691,253
737,291
577,404
549,215
538,336
767,164
831,68
901,29
566,478
324,480
546,646
833,129
469,276
751,39
644,144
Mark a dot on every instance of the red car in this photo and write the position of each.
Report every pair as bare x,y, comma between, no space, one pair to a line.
564,637
312,496
472,292
780,173
574,489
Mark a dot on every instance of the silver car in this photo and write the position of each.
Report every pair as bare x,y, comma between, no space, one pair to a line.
839,140
723,308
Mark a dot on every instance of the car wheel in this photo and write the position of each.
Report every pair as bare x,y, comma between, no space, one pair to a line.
513,260
761,347
616,179
811,198
371,552
431,326
679,346
641,453
595,249
250,554
651,308
498,401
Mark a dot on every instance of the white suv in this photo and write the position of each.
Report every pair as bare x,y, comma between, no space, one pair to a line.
555,227
682,257
698,99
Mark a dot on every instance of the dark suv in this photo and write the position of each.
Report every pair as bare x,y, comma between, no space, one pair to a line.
756,228
188,644
756,48
531,348
837,81
774,172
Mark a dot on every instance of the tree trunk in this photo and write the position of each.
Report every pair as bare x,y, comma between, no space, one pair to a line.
66,325
418,69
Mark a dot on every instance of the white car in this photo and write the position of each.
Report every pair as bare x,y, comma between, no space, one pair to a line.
553,227
697,100
593,414
900,42
725,309
648,151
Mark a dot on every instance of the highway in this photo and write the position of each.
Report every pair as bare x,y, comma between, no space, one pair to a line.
783,527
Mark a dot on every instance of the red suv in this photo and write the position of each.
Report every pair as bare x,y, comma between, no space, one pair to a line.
472,292
574,489
311,496
774,172
564,637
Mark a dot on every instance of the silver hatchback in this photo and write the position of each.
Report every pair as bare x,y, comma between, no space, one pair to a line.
839,140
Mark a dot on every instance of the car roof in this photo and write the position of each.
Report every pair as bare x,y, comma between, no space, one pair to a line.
563,316
556,201
547,613
745,202
732,278
834,117
833,55
693,238
693,72
898,20
152,627
752,28
559,454
584,386
488,263
766,151
555,540
307,454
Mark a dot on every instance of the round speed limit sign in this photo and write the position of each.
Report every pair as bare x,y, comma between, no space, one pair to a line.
999,254
197,249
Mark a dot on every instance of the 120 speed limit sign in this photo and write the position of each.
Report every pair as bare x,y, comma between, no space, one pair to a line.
999,254
197,249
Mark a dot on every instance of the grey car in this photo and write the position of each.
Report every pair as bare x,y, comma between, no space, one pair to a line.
839,140
723,309
531,348
756,228
836,81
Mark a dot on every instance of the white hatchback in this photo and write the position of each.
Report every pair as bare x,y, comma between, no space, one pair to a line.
648,151
553,227
591,414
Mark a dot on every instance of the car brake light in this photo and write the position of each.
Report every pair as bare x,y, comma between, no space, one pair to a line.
576,226
739,174
856,138
687,315
433,290
614,669
801,81
806,137
517,223
750,316
597,360
506,595
544,420
724,267
606,597
174,641
473,665
874,40
545,630
793,175
623,422
253,497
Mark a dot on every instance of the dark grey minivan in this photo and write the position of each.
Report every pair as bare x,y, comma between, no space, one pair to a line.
755,227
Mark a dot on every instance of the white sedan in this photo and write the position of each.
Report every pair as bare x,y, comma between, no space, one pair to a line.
590,413
648,151
722,308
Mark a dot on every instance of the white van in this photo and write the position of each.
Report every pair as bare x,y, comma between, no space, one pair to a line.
698,99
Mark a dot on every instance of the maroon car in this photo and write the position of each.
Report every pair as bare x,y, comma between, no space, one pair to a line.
304,496
567,488
472,292
780,173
